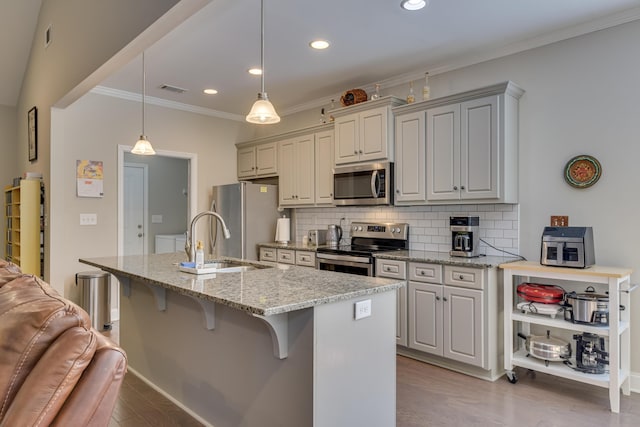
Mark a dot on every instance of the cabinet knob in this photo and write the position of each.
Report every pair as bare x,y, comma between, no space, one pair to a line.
444,299
355,152
462,187
331,194
437,298
398,191
139,234
360,151
455,187
461,277
253,168
422,272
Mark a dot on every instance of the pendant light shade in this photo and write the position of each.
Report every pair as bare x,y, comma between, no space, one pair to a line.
143,146
262,112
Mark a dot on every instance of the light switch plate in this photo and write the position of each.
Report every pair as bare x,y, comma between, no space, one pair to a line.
88,219
362,309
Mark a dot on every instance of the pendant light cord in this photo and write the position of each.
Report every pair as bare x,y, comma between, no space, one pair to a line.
262,44
144,84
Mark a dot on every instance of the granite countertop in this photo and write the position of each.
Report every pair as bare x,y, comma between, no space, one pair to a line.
265,291
445,258
297,246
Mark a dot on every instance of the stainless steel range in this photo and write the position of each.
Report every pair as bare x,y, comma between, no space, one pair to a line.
366,238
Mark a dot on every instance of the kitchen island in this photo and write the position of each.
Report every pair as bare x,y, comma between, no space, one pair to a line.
276,346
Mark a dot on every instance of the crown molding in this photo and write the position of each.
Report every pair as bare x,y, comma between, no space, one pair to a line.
132,96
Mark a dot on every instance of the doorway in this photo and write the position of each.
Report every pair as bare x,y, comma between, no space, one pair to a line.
136,208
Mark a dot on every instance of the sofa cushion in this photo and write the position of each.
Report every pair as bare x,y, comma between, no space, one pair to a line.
32,317
8,272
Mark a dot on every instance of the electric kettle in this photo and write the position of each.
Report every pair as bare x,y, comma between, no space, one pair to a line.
334,234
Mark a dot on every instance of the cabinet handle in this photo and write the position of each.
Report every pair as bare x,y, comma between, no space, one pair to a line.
462,187
437,298
422,272
461,277
360,151
355,152
455,187
253,168
398,191
444,299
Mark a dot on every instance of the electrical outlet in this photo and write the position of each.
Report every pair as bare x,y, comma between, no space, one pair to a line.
559,221
88,219
362,309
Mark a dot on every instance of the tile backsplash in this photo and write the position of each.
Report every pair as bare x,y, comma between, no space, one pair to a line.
428,225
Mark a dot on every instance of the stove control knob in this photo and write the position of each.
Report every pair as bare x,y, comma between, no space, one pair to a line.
355,228
398,230
359,228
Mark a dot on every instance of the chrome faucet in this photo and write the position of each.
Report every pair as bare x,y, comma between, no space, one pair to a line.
190,244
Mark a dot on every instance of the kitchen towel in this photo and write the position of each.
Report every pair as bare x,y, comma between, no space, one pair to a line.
283,230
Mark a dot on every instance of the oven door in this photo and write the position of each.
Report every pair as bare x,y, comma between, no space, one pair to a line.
345,266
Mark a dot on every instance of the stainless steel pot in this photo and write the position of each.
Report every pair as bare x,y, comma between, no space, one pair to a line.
547,348
587,307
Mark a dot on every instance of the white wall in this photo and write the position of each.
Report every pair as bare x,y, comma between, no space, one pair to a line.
92,128
8,147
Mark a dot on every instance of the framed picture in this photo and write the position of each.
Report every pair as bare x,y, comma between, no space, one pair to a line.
32,123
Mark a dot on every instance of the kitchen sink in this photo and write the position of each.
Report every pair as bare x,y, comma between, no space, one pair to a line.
220,266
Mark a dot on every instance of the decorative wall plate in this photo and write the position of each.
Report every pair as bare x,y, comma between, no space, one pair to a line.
582,171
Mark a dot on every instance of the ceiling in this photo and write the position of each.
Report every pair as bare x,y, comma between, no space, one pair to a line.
372,41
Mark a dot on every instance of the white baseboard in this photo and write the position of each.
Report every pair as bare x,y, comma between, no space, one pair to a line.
168,396
634,379
115,314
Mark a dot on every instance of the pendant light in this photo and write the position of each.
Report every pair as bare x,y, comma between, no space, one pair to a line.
262,111
143,146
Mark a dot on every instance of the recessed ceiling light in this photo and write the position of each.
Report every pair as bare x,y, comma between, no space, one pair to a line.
413,4
319,44
210,91
255,71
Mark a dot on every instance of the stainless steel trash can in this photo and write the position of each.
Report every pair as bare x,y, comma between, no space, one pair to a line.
95,288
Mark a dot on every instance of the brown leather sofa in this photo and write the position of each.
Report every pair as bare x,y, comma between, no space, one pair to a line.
54,368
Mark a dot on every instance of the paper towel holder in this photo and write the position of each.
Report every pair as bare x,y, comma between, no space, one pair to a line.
283,230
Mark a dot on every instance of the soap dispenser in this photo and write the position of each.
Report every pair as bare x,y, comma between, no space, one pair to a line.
199,255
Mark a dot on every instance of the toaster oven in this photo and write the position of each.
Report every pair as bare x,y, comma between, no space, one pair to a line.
567,247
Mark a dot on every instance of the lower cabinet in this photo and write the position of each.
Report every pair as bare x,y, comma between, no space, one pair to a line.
443,311
445,319
288,256
394,269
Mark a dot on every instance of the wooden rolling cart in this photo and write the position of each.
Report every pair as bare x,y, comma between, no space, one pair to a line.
614,280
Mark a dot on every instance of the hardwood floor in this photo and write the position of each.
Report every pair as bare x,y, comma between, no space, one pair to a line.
432,396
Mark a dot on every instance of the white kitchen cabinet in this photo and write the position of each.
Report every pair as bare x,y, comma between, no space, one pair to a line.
395,269
470,143
364,132
259,160
615,281
286,256
324,165
297,171
306,258
446,319
268,254
410,157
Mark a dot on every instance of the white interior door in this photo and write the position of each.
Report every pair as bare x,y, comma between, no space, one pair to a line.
135,209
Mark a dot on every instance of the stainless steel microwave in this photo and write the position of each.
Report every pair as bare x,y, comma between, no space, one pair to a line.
364,184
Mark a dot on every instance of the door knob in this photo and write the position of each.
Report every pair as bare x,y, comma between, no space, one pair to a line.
139,226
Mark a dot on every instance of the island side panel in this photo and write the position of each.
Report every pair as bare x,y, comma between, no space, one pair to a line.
228,376
355,364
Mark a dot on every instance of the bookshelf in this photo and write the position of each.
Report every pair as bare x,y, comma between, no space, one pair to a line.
24,234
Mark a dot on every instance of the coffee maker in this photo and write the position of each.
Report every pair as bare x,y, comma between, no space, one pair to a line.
591,356
465,237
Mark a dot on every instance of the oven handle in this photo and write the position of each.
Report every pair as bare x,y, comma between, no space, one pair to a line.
375,184
368,267
349,258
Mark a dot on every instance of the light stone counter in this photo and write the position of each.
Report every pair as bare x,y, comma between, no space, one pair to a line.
296,246
445,258
265,291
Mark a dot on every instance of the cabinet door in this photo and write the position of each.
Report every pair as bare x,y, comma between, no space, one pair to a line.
425,317
246,162
463,326
347,135
305,170
267,159
401,316
479,156
410,157
373,134
286,181
324,167
443,153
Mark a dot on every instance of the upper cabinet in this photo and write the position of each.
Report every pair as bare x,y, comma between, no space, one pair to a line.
297,171
324,167
468,148
257,160
364,132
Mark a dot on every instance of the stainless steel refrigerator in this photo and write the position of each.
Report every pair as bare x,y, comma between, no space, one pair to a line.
250,211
